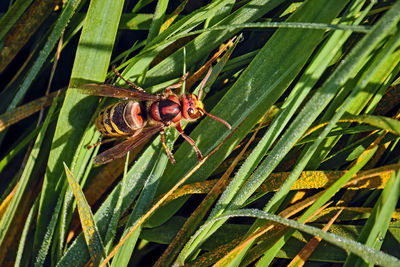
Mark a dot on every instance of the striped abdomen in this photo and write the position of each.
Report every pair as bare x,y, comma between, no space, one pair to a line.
121,119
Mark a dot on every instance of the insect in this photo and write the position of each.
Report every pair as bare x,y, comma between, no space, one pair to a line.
141,115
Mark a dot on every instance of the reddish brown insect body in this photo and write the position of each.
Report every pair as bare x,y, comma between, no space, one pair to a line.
144,115
166,110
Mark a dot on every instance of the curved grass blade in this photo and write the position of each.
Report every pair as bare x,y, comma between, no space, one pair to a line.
23,254
91,64
326,195
367,253
202,45
375,229
26,177
278,71
158,19
326,252
12,15
78,254
51,42
92,236
381,122
142,205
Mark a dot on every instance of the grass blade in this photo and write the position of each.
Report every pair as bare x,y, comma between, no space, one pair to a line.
158,19
369,254
12,15
90,64
264,71
92,236
135,179
377,224
51,42
143,203
26,177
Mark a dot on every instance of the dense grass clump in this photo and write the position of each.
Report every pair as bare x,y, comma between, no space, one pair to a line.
308,174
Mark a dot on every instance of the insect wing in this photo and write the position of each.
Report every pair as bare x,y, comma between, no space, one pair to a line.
121,149
115,91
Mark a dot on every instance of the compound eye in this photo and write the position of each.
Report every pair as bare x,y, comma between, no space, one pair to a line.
193,113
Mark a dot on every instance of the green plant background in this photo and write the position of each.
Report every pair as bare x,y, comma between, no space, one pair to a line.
315,81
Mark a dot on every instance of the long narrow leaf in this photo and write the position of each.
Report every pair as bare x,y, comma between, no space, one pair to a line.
92,236
26,177
378,223
369,254
91,63
294,39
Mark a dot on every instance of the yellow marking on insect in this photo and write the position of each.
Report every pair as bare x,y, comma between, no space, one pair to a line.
107,127
113,125
199,105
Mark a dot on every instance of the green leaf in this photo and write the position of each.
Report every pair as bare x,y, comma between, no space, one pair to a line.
288,49
381,122
202,45
367,253
375,229
91,63
26,177
158,19
143,203
9,19
22,258
134,181
48,47
92,236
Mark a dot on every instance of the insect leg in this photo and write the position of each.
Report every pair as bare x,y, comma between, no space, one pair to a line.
101,142
125,80
171,157
177,85
190,140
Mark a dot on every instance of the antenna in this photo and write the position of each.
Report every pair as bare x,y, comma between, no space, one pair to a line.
203,82
217,119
